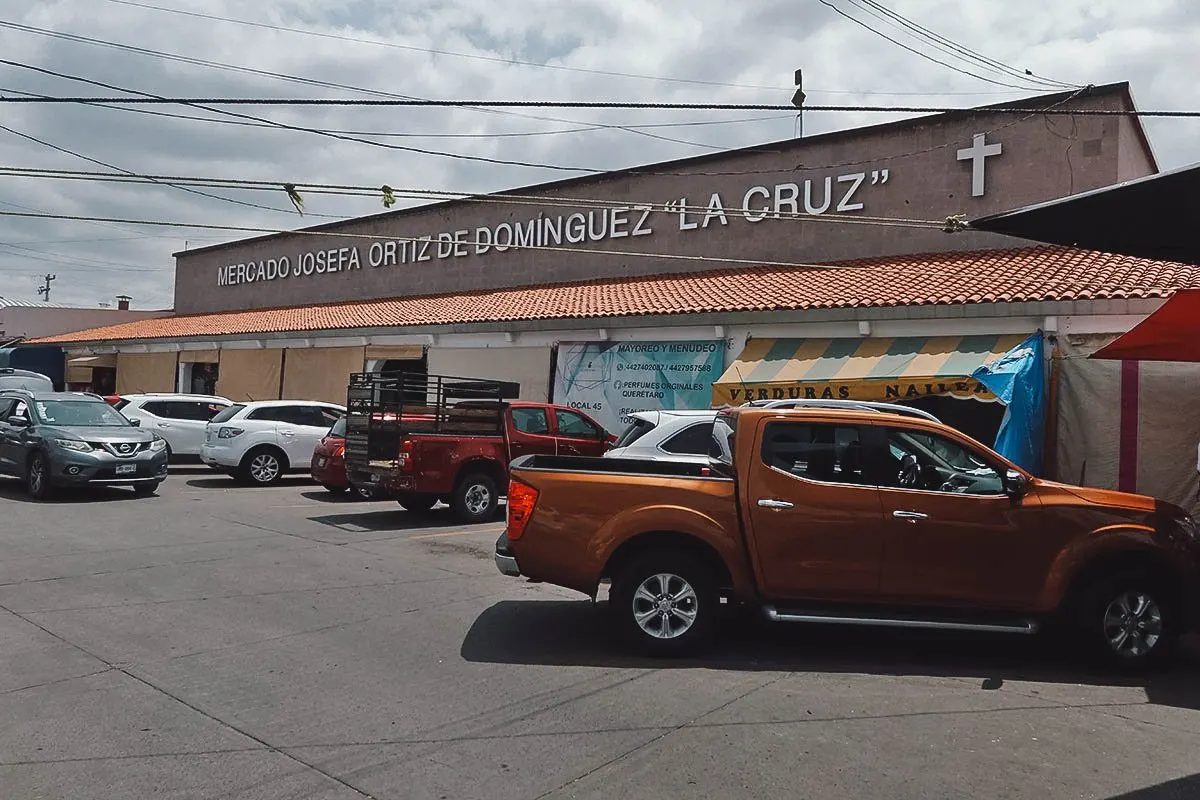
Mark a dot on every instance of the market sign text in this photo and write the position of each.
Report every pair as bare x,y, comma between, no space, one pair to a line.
835,194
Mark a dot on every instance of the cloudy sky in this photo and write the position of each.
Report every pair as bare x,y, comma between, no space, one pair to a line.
699,51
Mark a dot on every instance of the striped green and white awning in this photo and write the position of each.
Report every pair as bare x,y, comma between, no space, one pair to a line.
878,369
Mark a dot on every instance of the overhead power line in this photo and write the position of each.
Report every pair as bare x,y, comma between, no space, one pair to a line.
336,101
202,62
715,260
964,52
920,53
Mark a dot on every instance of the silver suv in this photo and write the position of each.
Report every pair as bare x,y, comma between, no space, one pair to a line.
53,439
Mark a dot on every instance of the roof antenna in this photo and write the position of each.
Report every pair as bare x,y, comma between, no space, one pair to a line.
798,102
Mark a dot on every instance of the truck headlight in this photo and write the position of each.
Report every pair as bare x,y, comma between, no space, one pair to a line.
77,445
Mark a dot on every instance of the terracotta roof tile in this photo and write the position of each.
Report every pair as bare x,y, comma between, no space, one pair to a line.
1016,275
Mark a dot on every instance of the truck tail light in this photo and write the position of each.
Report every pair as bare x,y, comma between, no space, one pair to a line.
404,457
521,499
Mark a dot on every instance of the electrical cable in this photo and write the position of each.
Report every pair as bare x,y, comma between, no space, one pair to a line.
917,52
965,51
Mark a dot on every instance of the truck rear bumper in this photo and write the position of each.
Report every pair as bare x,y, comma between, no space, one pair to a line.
506,562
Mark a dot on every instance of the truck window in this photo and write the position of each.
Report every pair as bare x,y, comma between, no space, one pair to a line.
531,420
822,452
573,426
938,464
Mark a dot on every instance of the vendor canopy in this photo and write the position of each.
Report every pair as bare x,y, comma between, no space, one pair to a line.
1170,334
860,369
1152,217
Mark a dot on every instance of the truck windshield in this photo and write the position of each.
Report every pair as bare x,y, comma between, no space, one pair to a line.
80,414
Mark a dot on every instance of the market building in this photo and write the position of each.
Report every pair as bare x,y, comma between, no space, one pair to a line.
827,266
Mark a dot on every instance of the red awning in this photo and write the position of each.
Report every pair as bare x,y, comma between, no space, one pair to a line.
1170,334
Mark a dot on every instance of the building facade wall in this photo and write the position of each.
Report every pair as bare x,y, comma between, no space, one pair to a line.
906,171
529,366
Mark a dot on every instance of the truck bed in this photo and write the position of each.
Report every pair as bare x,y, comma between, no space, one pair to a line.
626,466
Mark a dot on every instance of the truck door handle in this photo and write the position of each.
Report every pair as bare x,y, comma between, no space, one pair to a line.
768,503
909,515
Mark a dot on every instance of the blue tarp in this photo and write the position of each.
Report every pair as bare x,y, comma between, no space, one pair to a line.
1018,378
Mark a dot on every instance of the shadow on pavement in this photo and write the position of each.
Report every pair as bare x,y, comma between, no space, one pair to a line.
374,518
1182,789
15,490
343,498
577,633
218,481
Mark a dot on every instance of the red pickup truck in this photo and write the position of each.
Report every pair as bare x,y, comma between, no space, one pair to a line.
428,438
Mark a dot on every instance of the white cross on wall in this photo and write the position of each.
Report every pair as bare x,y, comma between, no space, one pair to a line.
976,154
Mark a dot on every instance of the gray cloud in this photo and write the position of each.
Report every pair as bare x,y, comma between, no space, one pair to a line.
1149,43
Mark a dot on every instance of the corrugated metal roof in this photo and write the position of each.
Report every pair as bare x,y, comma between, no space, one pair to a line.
11,302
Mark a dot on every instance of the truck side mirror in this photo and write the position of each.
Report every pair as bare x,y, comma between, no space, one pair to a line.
18,422
1015,484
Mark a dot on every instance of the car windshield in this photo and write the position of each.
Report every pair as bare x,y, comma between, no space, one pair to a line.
228,413
80,413
636,430
339,428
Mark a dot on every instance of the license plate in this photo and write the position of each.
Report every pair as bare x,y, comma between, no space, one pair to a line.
126,469
322,461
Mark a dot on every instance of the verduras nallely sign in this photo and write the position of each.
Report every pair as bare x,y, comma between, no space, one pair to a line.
832,194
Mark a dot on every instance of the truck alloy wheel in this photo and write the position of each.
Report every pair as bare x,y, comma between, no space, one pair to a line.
664,606
1133,624
664,602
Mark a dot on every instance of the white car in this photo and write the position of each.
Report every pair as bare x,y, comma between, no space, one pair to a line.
258,442
666,436
180,419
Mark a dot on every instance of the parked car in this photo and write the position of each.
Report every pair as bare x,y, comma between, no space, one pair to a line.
260,441
666,436
328,466
180,419
61,439
832,515
428,438
24,379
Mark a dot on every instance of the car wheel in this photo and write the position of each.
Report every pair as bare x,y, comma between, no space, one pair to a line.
262,467
475,499
37,477
365,493
1129,621
665,603
417,503
145,489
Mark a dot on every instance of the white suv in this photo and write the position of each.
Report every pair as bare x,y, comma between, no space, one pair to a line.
258,442
180,419
666,436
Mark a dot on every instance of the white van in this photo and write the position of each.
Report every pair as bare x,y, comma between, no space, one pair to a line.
24,379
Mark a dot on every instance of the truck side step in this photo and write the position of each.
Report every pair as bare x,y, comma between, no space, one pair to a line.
1026,627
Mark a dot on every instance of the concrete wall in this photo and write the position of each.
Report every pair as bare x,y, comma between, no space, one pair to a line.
908,170
529,366
32,323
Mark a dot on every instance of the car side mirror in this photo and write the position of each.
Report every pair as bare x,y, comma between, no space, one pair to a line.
137,423
18,422
1015,484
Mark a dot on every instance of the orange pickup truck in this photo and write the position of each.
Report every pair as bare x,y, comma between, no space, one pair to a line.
856,516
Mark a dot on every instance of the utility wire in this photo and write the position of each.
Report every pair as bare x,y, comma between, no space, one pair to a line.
77,38
341,235
965,52
333,101
917,52
190,190
506,198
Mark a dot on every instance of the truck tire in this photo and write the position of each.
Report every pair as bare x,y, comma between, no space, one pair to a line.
1128,620
417,503
475,499
665,603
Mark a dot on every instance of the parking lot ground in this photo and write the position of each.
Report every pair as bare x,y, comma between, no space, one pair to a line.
225,642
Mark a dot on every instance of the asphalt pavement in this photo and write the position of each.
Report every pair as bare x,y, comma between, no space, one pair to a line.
225,642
